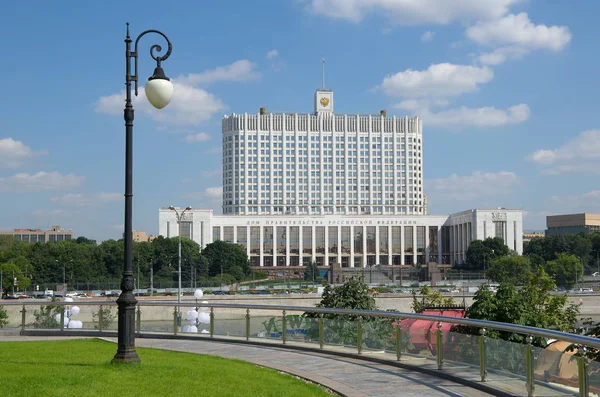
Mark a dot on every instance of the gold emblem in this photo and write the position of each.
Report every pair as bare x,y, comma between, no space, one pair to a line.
324,102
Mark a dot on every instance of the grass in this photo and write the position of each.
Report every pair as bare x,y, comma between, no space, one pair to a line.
82,368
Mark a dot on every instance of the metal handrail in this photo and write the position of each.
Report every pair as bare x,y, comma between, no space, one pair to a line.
517,329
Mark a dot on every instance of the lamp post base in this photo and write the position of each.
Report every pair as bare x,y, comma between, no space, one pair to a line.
126,353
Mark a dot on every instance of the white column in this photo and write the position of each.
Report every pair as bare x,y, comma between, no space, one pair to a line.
287,244
326,259
402,231
364,238
426,244
314,244
261,236
414,236
377,253
439,244
351,246
339,244
300,248
390,254
275,245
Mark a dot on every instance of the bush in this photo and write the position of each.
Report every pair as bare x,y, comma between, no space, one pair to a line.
46,317
3,317
103,318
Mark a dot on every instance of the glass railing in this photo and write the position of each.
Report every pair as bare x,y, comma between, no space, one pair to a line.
433,342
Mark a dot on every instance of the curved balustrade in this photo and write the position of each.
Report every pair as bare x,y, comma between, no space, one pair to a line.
417,340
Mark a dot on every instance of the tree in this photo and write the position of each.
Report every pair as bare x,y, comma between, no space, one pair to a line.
565,269
224,257
513,270
532,305
480,253
342,328
10,270
312,272
429,298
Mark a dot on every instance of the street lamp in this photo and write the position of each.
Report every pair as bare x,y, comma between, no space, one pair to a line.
597,260
179,218
64,269
159,91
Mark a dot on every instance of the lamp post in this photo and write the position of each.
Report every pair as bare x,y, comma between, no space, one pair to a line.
159,91
597,260
64,269
179,218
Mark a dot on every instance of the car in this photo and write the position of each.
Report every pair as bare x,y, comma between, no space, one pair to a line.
596,274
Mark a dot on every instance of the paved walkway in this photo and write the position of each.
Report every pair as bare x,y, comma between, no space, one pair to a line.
346,376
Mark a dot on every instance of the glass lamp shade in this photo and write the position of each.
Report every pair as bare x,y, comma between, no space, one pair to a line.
75,310
159,92
198,294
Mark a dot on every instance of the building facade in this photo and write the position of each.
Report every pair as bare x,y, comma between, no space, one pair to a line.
347,240
54,234
322,163
572,224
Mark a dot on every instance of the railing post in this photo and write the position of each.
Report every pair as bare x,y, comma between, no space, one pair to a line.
100,318
321,331
62,318
529,367
175,312
247,324
438,346
138,320
583,373
482,368
398,340
283,328
359,336
211,327
23,314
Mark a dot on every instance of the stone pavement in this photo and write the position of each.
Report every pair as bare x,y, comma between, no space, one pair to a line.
346,376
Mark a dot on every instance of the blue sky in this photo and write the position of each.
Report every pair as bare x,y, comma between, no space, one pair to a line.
507,90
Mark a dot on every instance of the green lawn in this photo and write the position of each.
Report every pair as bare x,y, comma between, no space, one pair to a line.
82,368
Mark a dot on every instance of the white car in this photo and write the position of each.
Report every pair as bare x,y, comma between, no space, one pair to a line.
595,274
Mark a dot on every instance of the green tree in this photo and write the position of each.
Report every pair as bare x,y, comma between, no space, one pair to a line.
480,254
342,329
3,317
10,270
531,305
224,257
565,269
46,317
514,270
428,297
312,272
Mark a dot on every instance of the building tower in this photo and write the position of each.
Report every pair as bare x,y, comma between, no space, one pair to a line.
322,163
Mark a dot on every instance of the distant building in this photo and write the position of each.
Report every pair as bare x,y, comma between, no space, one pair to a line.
572,224
527,237
54,234
139,236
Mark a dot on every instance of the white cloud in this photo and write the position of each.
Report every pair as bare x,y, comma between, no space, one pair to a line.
189,106
478,185
427,36
41,181
239,71
199,137
580,154
86,200
412,12
211,193
14,153
272,54
185,180
518,30
501,55
463,116
577,203
214,192
439,80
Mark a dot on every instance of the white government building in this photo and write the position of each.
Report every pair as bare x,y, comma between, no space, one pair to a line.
336,190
